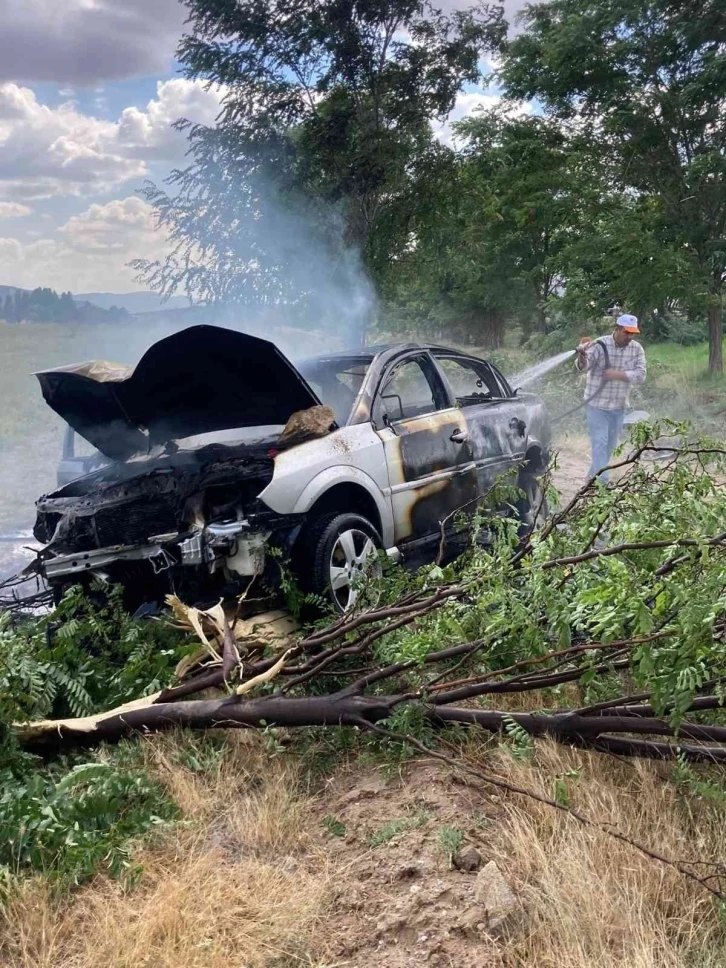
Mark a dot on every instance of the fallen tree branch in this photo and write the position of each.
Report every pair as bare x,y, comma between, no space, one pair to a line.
347,706
632,546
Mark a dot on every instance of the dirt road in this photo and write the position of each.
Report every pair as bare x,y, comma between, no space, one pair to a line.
572,463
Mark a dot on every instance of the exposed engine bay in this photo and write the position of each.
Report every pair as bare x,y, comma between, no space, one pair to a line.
175,495
191,508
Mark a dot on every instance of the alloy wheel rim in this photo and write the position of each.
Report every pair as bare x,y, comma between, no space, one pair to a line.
353,560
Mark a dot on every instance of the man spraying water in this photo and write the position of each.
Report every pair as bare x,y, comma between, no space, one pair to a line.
613,364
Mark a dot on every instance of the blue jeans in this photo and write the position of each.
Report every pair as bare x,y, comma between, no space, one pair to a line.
604,427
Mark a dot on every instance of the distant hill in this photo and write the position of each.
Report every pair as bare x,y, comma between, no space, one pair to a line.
132,302
44,305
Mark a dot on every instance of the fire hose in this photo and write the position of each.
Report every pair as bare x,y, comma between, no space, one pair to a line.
597,392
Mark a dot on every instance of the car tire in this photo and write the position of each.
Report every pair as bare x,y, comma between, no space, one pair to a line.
532,508
338,550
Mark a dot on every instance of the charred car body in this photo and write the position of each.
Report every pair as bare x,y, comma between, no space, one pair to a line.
205,471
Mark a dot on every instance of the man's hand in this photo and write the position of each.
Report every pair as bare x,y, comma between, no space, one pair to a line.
620,375
581,351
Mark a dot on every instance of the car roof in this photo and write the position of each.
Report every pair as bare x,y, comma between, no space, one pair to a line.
369,353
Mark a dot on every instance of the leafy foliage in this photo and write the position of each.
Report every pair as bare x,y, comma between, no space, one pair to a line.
326,115
646,80
71,816
83,658
527,607
78,815
493,239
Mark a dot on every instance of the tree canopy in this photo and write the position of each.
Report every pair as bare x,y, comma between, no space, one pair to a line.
325,120
645,80
327,186
44,305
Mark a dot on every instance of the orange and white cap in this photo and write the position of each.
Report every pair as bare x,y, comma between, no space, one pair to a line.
628,323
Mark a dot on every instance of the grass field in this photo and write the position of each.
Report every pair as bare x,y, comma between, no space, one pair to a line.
678,386
30,433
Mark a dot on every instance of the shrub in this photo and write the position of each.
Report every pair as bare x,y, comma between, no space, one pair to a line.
71,816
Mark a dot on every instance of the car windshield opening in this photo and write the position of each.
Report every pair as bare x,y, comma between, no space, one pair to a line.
337,382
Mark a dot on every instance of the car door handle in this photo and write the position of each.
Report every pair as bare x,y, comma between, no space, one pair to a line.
460,436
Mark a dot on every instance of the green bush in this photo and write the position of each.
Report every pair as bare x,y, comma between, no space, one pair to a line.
78,815
74,815
82,658
686,332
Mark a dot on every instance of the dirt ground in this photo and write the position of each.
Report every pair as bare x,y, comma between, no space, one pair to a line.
401,903
279,863
572,463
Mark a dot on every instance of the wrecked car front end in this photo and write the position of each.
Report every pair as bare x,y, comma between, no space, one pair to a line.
178,505
192,518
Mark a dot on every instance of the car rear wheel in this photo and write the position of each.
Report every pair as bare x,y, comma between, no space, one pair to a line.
532,508
340,557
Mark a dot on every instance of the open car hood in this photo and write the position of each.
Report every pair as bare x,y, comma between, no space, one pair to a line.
201,379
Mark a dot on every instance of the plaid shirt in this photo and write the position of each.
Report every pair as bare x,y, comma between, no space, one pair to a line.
613,394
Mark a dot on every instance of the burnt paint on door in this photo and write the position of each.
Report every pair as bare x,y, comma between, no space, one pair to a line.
417,451
498,437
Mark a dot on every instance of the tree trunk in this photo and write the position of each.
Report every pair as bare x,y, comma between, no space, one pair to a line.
490,325
345,708
715,327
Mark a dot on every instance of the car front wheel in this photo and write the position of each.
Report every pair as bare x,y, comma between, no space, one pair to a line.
340,557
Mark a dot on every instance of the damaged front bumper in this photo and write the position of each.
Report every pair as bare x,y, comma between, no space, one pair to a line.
233,549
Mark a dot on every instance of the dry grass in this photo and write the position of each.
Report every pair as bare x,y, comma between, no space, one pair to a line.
237,884
592,902
243,882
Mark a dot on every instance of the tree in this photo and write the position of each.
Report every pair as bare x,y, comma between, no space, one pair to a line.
66,307
623,257
21,305
646,80
532,190
328,108
440,280
491,239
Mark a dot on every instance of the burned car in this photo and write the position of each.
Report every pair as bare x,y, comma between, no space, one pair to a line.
216,457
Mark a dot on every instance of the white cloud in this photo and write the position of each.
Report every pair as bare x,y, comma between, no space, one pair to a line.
79,43
14,210
61,151
92,250
51,151
82,42
11,252
149,133
117,226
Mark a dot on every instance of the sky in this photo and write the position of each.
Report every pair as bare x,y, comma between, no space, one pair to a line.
89,90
